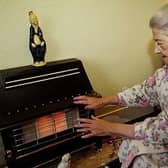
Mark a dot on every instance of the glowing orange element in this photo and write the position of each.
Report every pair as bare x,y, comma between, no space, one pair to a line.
60,121
45,126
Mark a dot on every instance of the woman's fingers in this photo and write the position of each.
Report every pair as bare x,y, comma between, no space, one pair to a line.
80,102
84,120
80,97
89,102
93,117
83,130
88,127
83,125
83,99
87,135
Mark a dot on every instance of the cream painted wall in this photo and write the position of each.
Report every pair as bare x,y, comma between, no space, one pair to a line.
111,37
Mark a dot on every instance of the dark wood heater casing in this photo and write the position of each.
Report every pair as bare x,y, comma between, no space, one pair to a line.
37,114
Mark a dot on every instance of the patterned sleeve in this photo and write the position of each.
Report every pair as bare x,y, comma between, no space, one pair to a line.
153,130
141,95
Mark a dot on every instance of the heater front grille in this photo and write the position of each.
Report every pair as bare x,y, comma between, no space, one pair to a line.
45,129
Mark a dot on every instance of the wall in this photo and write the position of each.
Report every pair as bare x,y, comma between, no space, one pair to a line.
111,37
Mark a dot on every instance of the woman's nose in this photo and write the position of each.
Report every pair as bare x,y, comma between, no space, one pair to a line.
157,49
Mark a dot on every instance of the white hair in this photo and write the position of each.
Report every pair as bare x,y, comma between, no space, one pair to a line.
160,19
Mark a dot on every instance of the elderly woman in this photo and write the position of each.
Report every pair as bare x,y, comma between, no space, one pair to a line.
146,145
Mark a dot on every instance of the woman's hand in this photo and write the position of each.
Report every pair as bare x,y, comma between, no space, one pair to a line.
98,127
93,127
90,102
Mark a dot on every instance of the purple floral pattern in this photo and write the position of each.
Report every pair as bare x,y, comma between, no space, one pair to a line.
151,135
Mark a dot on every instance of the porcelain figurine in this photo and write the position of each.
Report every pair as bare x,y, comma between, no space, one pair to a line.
65,161
37,44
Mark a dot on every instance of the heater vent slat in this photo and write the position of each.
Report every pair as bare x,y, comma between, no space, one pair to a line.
40,78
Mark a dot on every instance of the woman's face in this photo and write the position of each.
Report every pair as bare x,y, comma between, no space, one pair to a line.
161,43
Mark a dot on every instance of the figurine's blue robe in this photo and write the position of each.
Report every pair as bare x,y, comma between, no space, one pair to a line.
39,51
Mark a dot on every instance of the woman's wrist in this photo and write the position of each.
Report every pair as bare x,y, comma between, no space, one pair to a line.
126,130
111,100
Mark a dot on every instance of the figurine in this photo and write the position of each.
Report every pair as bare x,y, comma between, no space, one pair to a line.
65,161
37,43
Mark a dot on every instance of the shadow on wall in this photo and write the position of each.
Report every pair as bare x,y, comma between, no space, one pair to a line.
154,58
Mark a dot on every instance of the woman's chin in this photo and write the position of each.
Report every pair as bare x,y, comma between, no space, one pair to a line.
165,60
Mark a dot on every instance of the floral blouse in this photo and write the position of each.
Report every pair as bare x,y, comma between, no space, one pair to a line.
151,135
